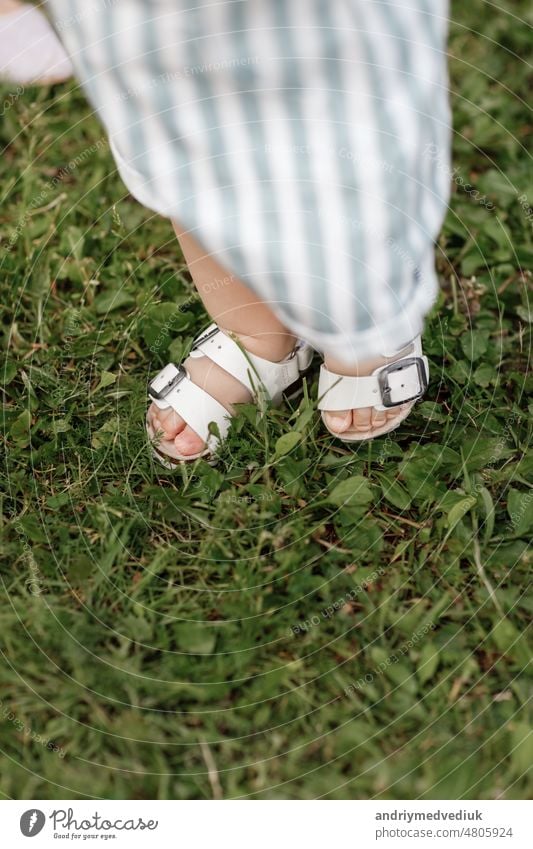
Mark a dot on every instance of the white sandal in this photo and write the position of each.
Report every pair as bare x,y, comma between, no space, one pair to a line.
404,380
172,387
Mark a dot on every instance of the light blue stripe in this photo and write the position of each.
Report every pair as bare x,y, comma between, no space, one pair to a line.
163,93
389,129
392,21
429,13
206,102
238,25
293,86
356,244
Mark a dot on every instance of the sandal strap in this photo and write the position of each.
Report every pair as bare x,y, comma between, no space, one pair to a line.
255,373
172,387
195,406
387,387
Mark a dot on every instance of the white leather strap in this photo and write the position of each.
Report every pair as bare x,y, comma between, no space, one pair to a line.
338,392
253,372
172,387
394,383
197,408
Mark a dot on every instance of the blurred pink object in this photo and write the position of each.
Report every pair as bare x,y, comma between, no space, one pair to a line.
30,51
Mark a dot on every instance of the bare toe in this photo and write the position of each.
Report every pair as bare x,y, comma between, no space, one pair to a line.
170,423
362,418
379,418
395,412
339,421
188,442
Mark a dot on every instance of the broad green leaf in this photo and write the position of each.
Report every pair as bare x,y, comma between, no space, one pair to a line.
196,639
484,375
401,675
459,510
161,323
8,371
475,343
80,569
525,314
521,748
352,491
176,350
306,416
473,261
112,300
106,379
488,510
394,493
520,510
498,185
428,662
509,555
480,452
432,412
286,443
59,500
20,429
32,528
510,641
106,434
449,500
498,231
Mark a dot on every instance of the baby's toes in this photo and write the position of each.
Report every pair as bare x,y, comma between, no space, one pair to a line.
168,421
339,421
153,415
362,419
395,412
188,442
379,418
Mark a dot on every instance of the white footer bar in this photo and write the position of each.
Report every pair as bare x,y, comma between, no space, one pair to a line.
267,824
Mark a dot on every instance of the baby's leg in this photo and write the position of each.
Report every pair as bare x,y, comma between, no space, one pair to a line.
236,310
9,6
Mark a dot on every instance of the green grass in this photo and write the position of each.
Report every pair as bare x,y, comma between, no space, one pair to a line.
207,632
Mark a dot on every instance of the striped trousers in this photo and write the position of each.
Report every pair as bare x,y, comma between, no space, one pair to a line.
297,140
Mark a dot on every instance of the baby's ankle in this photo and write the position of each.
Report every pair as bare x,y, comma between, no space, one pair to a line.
366,367
269,346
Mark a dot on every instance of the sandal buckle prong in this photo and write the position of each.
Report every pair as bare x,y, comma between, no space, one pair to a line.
164,382
205,337
400,365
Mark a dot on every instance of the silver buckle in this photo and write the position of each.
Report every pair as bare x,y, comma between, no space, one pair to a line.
385,388
205,338
164,382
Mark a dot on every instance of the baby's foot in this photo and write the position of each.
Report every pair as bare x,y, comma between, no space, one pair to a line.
178,438
367,422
